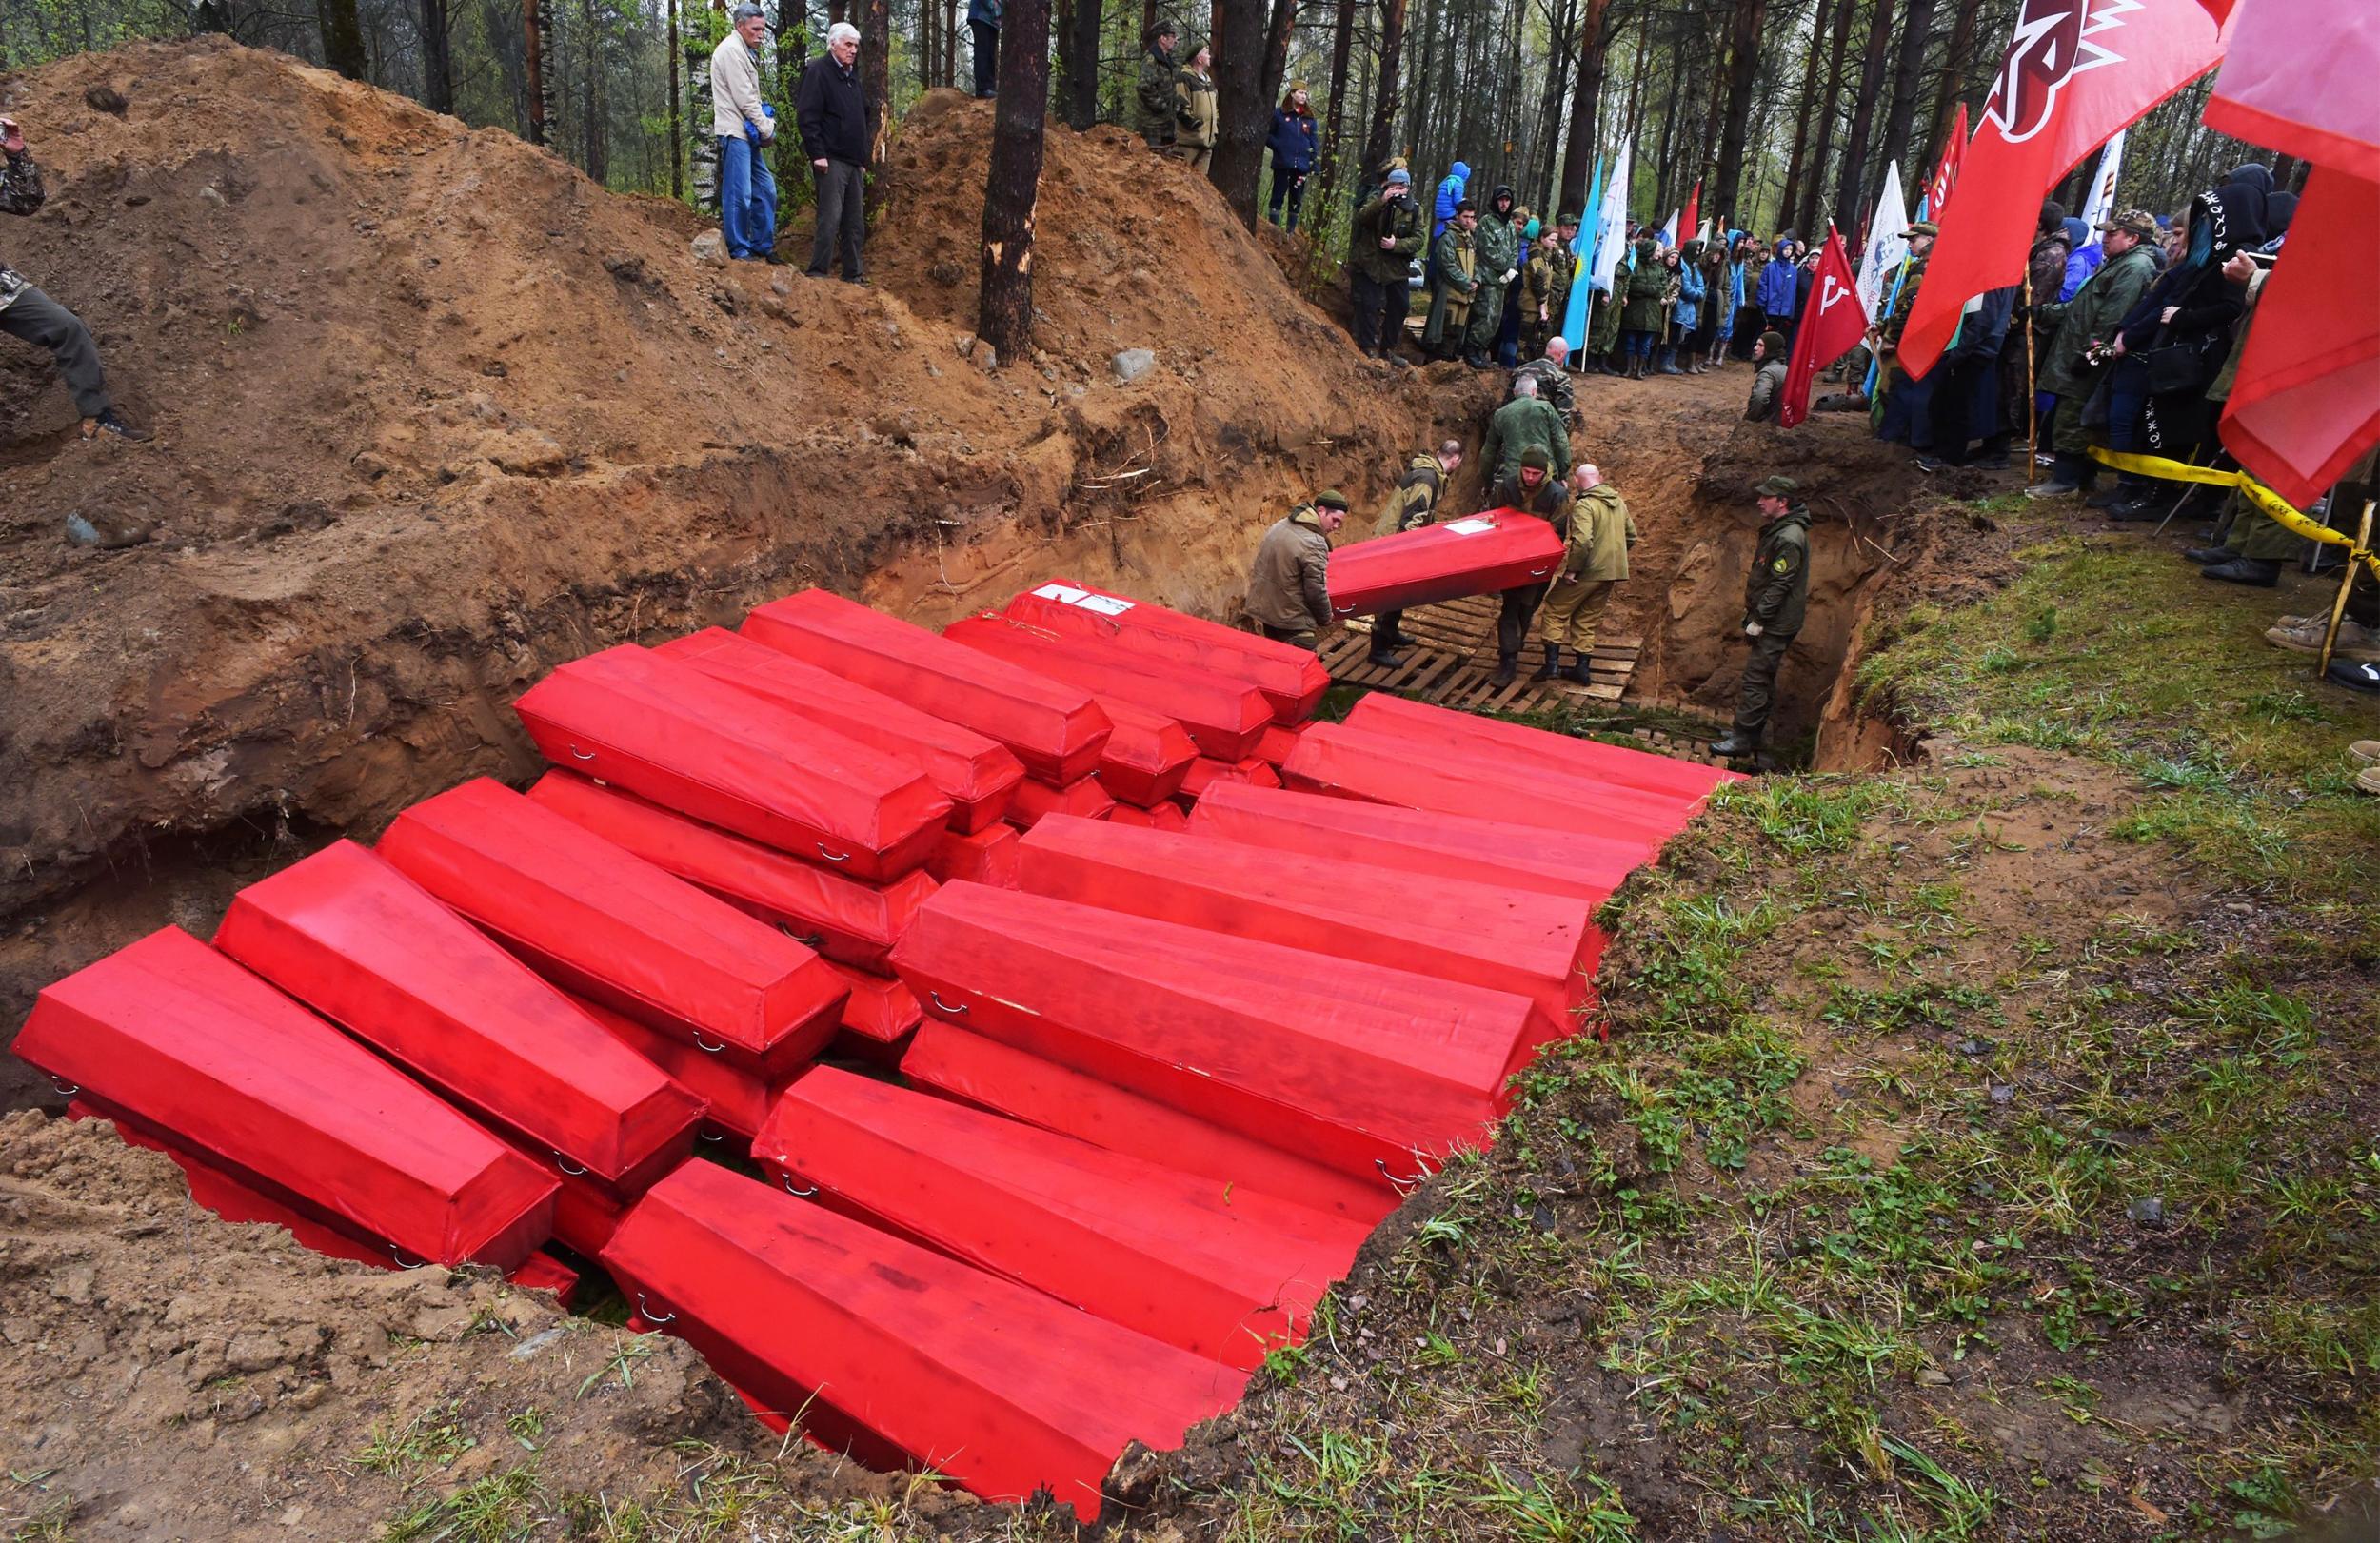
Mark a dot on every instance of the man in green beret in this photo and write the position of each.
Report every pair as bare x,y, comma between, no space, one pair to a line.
1289,596
1776,594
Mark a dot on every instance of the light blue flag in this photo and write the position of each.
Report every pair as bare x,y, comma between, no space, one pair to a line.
1583,245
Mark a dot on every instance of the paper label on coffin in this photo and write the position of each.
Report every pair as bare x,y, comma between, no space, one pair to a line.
1499,550
1421,842
1037,800
1332,758
178,1037
737,1099
847,921
1540,947
975,774
1292,678
367,948
1364,1070
1055,730
1222,714
994,1385
687,740
993,1075
1665,776
986,857
605,924
1138,1243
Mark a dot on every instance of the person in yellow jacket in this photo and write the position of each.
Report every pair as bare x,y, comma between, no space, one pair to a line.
1193,109
1595,558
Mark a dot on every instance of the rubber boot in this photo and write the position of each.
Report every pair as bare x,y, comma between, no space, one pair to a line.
1612,365
1669,362
1735,745
1507,666
1552,663
1581,672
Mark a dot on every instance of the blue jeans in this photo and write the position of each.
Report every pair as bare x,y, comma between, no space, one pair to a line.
748,198
2128,401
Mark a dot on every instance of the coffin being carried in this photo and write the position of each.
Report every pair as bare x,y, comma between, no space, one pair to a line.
1484,555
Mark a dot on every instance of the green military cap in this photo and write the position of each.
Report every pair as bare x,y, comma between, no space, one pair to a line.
1535,456
1776,488
1330,498
1567,218
1925,228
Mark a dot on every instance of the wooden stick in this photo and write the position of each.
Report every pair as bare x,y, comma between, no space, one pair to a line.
2032,415
2347,581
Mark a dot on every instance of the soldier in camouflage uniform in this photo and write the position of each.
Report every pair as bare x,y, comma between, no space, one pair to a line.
1777,592
1534,488
1412,503
1552,373
1453,257
1545,287
1496,246
1155,97
32,317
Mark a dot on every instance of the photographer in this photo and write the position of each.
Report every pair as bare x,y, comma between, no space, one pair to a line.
1386,237
28,314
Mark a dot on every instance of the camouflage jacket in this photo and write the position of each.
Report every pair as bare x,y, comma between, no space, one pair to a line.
20,193
1553,387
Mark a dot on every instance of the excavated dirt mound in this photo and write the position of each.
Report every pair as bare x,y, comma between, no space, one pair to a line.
435,413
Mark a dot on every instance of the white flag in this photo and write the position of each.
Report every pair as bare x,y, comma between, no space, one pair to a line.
2101,206
1669,231
1888,243
1611,232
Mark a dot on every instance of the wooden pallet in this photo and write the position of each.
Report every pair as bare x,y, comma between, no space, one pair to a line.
1451,675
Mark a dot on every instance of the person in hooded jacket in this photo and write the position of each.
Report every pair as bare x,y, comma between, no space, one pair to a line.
1496,246
1781,289
1292,142
1449,193
1686,266
1643,313
2084,256
2170,345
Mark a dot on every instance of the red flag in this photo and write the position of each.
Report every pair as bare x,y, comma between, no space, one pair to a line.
2075,73
2219,10
1690,223
2307,399
1946,170
2298,76
1836,321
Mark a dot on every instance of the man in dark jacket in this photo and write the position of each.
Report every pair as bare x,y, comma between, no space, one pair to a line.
1154,98
838,135
1768,387
1386,236
1966,402
32,317
984,32
1777,592
1533,488
1292,142
2082,333
1289,595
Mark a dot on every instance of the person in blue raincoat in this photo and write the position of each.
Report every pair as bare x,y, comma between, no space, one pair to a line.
1449,193
1292,142
1687,314
1781,288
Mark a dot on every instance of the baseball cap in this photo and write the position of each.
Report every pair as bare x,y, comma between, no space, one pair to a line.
1776,488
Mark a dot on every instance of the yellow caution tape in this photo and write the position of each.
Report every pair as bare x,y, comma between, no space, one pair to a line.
2268,501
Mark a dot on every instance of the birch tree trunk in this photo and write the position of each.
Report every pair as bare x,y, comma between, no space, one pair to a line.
1012,188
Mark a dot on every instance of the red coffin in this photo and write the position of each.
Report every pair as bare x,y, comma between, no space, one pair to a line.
1484,555
1037,800
1227,1275
989,1383
1223,715
1352,764
738,1100
669,732
974,773
1055,730
1534,946
1206,774
1352,1066
1147,756
1382,712
985,1073
1420,842
987,857
1292,678
877,1009
605,924
847,920
176,1035
1275,747
367,948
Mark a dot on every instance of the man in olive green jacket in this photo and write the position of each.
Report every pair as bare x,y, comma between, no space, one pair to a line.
1412,503
1387,235
1594,558
1289,593
1776,593
1531,489
1195,123
2090,318
1528,421
1453,257
1155,98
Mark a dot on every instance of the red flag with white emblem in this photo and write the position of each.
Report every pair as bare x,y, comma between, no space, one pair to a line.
1836,322
2075,73
1946,170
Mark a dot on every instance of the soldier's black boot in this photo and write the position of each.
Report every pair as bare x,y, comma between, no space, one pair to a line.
1507,666
1384,655
1734,745
1552,663
1580,672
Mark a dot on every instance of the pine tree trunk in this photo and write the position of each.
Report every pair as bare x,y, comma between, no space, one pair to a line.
1342,49
437,57
1955,59
1629,118
1664,186
677,103
591,97
1743,67
1284,20
343,37
1809,106
1005,317
1241,108
1916,23
1083,110
1546,174
1854,178
1377,141
1804,213
875,79
533,15
1579,161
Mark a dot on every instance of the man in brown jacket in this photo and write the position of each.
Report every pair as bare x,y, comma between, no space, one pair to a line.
1594,559
1289,596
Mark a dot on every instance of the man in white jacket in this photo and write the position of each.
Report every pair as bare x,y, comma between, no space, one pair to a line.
748,194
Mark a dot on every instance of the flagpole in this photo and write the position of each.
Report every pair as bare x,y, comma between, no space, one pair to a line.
2032,414
2347,581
